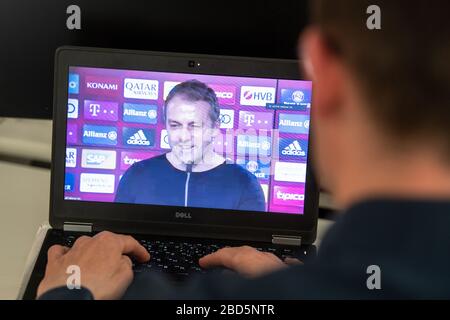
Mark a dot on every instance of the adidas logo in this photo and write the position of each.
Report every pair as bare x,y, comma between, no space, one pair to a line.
294,149
138,138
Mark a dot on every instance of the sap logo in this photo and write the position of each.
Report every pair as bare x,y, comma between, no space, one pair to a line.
290,148
183,215
100,110
98,159
97,183
293,123
140,113
136,137
72,108
226,119
74,83
71,157
101,135
257,96
140,89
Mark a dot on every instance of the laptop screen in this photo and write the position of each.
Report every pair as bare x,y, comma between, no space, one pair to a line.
193,140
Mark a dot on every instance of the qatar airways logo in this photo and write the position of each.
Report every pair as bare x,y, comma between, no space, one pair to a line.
105,86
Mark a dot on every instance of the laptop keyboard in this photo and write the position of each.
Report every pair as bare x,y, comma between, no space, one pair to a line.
180,258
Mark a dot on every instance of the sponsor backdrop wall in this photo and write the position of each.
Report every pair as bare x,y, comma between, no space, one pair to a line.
115,118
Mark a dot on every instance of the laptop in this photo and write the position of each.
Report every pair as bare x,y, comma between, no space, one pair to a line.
187,153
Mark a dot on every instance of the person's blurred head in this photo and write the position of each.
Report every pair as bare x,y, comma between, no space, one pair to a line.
380,97
191,114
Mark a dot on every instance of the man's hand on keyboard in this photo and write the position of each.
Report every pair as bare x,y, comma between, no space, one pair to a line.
103,261
245,260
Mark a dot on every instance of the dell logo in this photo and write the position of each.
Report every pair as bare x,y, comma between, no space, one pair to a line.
183,215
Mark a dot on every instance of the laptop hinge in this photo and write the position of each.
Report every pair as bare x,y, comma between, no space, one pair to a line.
287,240
77,226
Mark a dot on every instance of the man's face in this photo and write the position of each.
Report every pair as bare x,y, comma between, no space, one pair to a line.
190,129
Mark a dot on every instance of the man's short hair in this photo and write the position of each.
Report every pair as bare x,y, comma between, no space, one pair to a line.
193,91
403,68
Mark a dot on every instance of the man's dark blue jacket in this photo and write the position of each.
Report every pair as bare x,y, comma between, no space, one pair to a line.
409,240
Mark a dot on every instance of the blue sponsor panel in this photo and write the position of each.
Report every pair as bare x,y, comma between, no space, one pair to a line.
138,137
74,83
254,145
293,149
293,123
69,182
99,135
140,113
260,169
295,97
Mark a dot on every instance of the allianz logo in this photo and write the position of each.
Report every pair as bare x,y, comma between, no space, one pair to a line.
293,149
112,135
183,215
265,145
290,123
151,114
103,86
138,138
285,196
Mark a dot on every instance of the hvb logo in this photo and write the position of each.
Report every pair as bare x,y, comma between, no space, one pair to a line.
257,96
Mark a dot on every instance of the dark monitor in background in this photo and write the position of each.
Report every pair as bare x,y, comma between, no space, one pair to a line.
31,30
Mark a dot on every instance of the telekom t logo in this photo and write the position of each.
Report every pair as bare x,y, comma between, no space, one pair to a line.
94,108
249,119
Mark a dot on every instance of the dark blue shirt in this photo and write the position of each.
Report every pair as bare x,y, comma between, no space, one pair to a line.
409,240
156,181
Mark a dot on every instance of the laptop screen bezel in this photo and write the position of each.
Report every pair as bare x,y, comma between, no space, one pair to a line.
133,218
